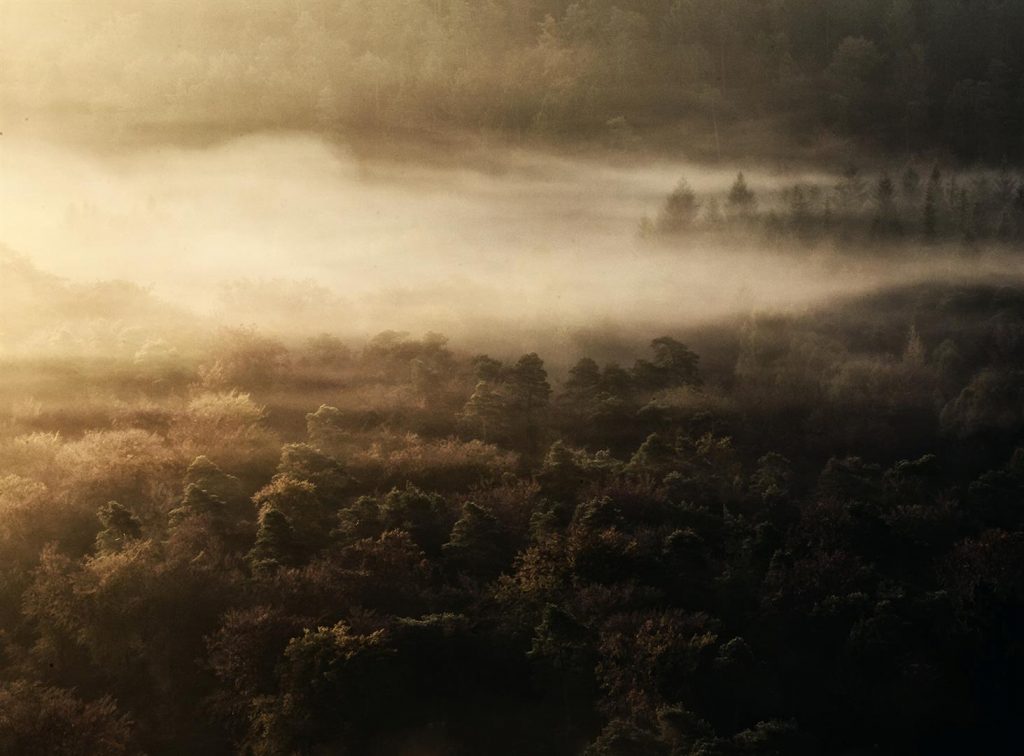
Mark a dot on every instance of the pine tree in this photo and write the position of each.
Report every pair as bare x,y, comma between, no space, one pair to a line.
742,200
486,411
680,210
584,381
309,515
478,544
275,543
910,183
799,209
887,221
120,525
529,383
584,375
530,394
850,192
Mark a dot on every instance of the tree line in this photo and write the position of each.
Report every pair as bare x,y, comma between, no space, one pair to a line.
858,208
734,77
793,535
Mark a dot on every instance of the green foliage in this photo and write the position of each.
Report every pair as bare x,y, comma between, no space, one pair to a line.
674,365
206,476
327,475
276,544
679,213
427,517
326,427
809,541
942,75
529,384
299,503
42,721
120,526
479,544
741,198
247,360
331,682
486,411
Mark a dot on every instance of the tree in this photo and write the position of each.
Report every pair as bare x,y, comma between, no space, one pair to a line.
328,351
207,476
679,213
276,545
214,507
334,686
657,455
910,184
36,720
479,544
246,359
584,379
674,365
616,381
389,573
529,394
424,516
486,368
485,411
360,520
308,514
243,653
771,481
328,476
800,209
529,384
887,219
851,191
120,525
326,428
623,738
742,200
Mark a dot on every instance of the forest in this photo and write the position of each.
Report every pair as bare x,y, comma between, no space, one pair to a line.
857,214
511,377
713,78
774,534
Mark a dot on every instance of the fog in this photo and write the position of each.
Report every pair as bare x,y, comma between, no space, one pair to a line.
294,233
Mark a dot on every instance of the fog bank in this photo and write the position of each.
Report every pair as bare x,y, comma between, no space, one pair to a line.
296,234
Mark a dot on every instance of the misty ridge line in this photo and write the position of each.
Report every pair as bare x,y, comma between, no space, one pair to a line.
717,78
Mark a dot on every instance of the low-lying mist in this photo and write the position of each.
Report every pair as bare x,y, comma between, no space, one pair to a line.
294,235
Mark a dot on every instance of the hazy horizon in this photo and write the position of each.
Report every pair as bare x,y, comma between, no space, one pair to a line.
295,233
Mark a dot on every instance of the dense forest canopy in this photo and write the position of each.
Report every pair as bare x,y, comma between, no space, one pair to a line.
787,535
713,77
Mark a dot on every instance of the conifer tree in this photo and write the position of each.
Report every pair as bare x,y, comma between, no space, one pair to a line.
742,199
120,525
276,545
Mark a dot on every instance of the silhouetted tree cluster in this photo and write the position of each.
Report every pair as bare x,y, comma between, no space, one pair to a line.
858,210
